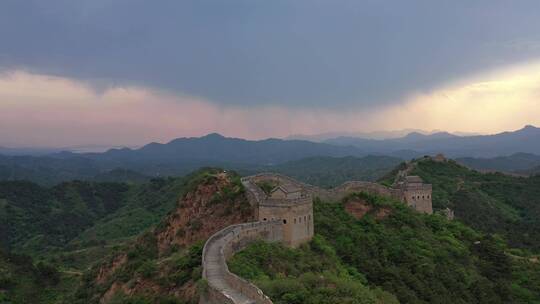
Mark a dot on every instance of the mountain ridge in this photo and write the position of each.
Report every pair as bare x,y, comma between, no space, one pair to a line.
526,139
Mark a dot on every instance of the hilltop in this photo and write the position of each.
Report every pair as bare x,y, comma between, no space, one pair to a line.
525,140
491,202
518,163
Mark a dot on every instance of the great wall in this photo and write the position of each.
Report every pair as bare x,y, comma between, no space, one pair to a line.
285,215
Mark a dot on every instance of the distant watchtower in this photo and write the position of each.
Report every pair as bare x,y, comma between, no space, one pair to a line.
415,193
294,207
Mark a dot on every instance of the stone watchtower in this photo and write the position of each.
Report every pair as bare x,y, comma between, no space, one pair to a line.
291,205
415,193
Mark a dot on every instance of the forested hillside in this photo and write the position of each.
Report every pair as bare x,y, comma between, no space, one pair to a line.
22,280
72,228
164,264
516,163
36,219
61,167
388,251
324,171
141,243
492,202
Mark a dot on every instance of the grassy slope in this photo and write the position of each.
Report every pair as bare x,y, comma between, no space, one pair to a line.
418,258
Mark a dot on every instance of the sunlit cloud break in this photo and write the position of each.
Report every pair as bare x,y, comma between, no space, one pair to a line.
55,111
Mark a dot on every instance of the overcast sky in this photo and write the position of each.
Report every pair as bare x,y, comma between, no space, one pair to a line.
125,72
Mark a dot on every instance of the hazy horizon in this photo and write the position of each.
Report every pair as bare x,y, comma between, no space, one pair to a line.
380,135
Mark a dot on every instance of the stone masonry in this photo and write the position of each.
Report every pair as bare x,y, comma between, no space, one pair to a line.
408,189
285,215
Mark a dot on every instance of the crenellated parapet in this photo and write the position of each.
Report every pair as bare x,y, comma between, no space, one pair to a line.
407,189
286,217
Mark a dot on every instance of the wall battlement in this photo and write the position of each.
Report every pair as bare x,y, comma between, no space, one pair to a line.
414,193
285,217
284,203
285,220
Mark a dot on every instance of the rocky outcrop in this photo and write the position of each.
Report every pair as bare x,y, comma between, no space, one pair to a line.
204,211
359,208
215,201
107,270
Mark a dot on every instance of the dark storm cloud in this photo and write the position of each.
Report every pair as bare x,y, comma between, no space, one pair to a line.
297,53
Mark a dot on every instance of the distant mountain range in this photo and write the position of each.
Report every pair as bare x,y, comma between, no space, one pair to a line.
271,151
39,151
380,135
175,158
28,151
526,140
184,155
520,163
219,149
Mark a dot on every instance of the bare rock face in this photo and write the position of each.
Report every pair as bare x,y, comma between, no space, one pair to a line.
359,208
214,202
106,271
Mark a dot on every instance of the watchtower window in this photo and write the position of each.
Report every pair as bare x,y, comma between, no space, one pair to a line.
300,219
264,219
285,222
295,221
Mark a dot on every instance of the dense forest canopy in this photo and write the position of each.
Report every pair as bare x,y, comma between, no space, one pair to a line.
490,202
397,253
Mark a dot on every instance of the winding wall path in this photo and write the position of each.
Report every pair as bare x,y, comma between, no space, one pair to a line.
225,287
334,194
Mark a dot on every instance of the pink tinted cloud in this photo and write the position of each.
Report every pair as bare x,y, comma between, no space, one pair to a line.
50,111
39,110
